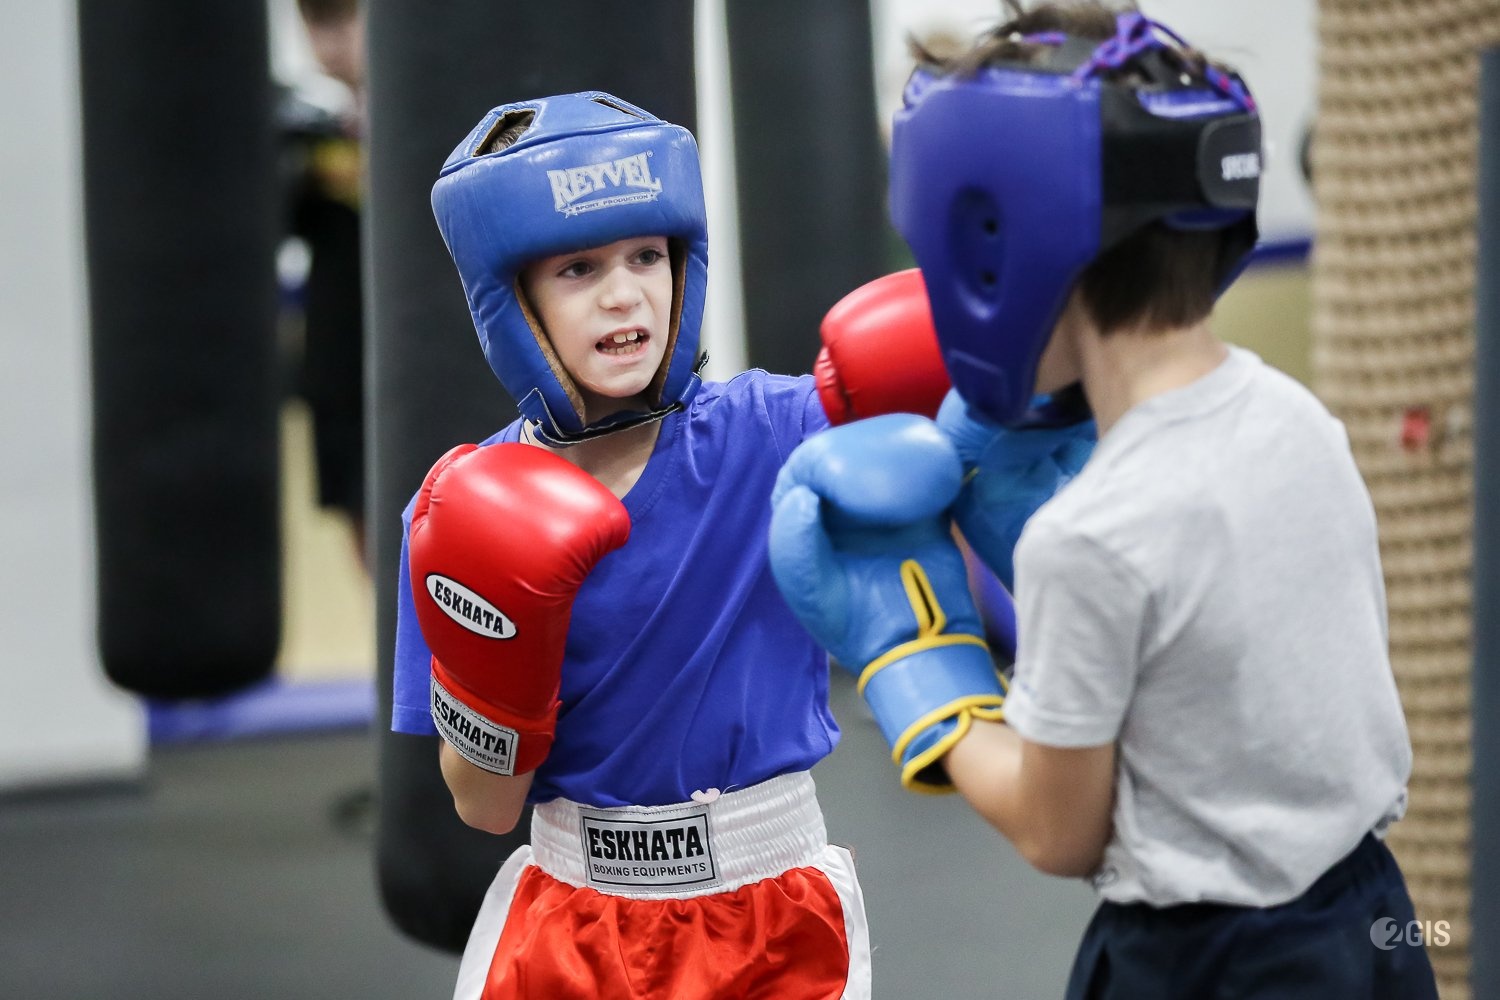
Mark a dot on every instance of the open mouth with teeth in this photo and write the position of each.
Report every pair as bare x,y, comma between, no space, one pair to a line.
629,342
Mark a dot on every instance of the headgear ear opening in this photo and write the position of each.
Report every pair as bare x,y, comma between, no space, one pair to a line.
544,344
678,255
507,129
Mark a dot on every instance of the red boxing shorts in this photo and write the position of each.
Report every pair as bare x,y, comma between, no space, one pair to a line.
739,896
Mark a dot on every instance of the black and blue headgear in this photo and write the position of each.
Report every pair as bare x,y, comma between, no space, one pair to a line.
1008,183
550,176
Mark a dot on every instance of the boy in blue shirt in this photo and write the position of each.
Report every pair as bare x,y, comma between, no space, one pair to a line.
654,698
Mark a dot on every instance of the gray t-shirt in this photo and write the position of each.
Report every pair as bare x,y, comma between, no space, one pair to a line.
1207,593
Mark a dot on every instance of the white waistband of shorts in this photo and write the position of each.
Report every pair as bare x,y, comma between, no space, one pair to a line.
687,849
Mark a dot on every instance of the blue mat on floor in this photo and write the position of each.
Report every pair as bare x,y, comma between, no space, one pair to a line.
274,708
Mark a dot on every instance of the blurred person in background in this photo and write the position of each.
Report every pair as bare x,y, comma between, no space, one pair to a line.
321,160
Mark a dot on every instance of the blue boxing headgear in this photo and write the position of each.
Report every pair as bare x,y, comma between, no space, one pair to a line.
550,176
1007,183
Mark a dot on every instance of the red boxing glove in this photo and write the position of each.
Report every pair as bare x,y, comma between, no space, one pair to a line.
501,539
880,352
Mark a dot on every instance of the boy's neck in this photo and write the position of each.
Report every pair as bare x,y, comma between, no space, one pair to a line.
1128,367
616,460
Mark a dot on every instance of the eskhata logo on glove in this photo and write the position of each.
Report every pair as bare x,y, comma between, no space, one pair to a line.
571,186
468,608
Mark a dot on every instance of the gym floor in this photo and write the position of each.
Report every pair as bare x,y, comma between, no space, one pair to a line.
245,869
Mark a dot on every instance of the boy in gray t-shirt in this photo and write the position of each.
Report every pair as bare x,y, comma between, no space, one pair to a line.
1202,718
1206,597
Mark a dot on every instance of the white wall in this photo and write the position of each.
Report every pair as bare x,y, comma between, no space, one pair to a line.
60,720
724,309
1273,43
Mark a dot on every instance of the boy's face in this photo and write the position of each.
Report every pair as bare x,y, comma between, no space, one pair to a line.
338,45
606,311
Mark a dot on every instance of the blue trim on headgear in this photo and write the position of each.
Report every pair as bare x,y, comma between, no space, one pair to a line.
1007,183
587,170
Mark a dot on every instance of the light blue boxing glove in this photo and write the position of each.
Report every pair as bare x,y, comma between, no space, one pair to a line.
1008,474
860,547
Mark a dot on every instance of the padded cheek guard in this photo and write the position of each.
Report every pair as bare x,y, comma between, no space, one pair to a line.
556,175
1006,184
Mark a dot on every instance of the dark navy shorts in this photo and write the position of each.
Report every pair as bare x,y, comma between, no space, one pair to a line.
1351,935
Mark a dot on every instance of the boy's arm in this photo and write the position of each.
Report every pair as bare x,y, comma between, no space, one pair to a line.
501,539
1052,803
1046,779
484,800
861,548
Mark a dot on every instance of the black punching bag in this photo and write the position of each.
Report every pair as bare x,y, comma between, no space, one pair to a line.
433,74
810,168
181,220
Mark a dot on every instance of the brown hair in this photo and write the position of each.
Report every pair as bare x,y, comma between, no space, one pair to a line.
1157,277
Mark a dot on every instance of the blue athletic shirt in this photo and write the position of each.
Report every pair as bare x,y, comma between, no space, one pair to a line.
684,669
